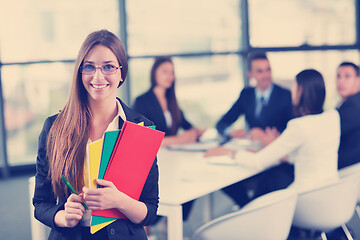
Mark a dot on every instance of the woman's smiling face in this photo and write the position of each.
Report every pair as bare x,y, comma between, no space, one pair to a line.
98,85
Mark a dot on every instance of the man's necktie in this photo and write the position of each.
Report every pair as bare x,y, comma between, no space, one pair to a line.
259,106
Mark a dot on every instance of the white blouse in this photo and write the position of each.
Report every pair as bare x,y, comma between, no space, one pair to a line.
113,125
168,119
312,143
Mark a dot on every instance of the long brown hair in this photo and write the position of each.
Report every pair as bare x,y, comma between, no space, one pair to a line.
313,93
68,136
170,95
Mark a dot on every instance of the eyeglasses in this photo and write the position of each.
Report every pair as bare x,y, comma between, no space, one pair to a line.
108,69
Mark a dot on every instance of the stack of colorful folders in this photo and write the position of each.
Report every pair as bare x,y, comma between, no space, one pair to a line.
123,157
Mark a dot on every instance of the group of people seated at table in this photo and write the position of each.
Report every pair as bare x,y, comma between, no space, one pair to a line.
303,144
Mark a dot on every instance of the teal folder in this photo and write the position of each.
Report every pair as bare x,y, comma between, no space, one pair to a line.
108,147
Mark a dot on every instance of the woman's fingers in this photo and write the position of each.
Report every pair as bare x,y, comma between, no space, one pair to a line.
216,151
104,183
74,211
71,217
75,198
95,205
93,197
71,220
74,208
73,205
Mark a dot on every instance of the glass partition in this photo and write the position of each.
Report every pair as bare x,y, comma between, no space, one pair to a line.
48,34
35,30
279,23
31,93
169,27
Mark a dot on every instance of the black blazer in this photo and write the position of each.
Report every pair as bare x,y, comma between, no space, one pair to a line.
46,205
349,149
148,105
276,113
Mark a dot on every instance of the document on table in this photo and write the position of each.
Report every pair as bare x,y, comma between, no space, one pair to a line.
194,147
221,160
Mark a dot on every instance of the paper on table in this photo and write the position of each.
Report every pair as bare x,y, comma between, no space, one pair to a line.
222,160
242,144
194,147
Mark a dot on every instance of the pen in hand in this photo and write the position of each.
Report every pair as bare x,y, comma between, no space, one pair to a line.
72,189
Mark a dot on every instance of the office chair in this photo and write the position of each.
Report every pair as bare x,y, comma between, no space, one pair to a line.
352,169
328,207
38,230
268,217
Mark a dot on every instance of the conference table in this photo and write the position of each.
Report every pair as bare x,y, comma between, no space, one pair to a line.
186,176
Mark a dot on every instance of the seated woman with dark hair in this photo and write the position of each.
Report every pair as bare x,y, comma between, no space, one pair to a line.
159,104
311,140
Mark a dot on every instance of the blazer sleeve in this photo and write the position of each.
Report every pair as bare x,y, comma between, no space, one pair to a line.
139,106
150,192
288,111
232,115
44,200
286,143
185,124
349,116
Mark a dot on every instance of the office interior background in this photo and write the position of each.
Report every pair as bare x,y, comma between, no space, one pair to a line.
209,41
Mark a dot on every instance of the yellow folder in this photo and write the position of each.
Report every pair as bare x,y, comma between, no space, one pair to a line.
95,150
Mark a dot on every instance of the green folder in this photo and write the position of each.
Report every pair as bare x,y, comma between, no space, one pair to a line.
98,220
110,139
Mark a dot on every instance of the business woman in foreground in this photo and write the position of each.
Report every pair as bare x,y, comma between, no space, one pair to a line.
91,109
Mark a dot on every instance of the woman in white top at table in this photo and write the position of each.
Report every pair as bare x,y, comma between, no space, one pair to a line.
310,141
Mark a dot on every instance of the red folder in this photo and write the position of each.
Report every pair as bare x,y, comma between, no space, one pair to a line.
131,161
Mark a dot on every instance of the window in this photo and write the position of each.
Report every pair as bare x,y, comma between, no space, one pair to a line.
182,26
38,31
280,23
31,94
51,30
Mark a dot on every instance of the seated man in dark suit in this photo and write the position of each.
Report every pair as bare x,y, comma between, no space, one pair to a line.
266,106
348,83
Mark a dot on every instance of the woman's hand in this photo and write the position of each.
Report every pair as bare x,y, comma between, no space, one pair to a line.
199,132
73,212
110,197
270,135
103,198
189,136
256,134
218,151
239,133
